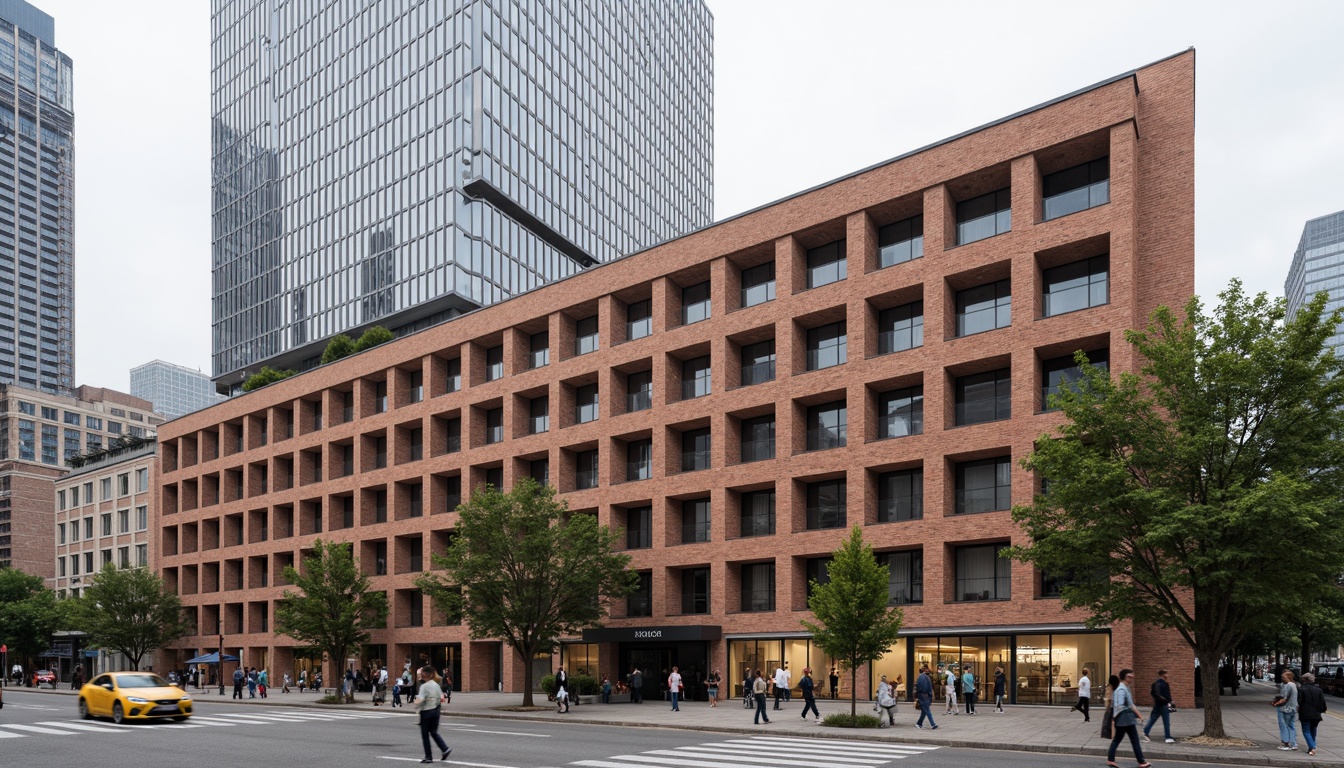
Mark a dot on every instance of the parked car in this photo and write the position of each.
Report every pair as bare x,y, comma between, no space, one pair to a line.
45,676
1331,678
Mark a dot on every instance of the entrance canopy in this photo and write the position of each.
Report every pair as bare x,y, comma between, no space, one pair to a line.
211,658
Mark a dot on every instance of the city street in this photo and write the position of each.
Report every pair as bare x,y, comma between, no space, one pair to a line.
41,730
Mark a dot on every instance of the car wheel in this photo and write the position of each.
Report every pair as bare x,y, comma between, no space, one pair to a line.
118,714
84,710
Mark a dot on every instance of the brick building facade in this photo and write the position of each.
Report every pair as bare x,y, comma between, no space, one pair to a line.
875,351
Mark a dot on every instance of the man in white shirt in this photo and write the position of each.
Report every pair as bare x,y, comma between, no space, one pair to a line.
781,682
1084,697
427,704
950,690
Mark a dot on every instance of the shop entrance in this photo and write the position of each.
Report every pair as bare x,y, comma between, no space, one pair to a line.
656,662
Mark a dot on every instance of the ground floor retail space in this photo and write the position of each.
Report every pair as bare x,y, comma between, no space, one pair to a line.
1040,667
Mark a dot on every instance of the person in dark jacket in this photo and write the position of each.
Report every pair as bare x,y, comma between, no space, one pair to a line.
924,698
1310,709
1161,691
809,696
1000,689
835,683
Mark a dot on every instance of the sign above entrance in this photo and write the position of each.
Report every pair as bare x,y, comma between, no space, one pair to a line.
674,634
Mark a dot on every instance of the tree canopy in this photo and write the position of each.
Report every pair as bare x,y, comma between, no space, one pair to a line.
532,572
854,623
29,614
128,611
1202,494
333,607
267,375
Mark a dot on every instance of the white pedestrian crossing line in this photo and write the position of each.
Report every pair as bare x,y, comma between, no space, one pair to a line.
780,751
215,719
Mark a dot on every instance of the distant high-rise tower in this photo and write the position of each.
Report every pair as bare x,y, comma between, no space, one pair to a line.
37,203
1318,265
174,390
398,162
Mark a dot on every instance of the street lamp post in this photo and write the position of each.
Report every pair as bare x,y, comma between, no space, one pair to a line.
219,665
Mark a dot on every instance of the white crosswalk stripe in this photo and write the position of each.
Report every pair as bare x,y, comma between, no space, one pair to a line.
215,719
781,751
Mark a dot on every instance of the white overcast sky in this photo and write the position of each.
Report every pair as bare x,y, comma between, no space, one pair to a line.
804,92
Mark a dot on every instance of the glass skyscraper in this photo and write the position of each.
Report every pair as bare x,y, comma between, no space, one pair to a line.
174,390
37,203
1318,265
397,162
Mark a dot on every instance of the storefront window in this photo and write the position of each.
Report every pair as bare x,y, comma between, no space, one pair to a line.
894,665
580,658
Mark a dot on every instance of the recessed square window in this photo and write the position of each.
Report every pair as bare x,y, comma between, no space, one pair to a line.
695,304
984,308
900,496
900,412
900,242
827,346
639,319
1079,285
639,391
757,517
585,335
827,426
494,363
826,264
900,328
758,284
826,505
585,470
758,587
695,378
758,362
984,485
984,216
905,571
539,350
695,450
758,438
539,415
585,404
1061,372
1076,189
638,460
983,397
982,573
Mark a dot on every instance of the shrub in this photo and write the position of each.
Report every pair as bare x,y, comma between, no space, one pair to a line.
373,337
267,375
585,685
842,720
339,346
331,699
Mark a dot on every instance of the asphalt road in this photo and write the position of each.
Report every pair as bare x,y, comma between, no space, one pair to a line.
41,731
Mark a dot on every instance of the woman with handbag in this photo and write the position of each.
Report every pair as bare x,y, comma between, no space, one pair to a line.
1108,717
1125,721
1286,705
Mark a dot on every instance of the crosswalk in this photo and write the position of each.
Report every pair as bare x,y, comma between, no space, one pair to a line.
780,751
258,717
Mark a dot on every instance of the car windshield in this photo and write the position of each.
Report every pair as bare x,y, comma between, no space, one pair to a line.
141,681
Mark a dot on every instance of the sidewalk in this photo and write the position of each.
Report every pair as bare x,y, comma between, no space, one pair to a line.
1022,728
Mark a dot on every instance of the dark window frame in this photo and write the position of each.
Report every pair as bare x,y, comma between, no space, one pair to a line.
695,303
983,409
900,242
984,216
824,436
1076,189
819,346
1063,288
987,300
757,288
826,264
825,516
1000,583
900,495
971,500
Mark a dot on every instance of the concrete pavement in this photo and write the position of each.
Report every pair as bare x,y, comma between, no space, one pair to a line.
1021,728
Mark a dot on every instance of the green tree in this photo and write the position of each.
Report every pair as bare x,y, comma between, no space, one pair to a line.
339,346
29,614
333,608
267,375
532,572
1204,494
372,338
129,611
854,623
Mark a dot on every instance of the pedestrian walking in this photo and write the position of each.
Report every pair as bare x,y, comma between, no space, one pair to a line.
712,682
239,676
1126,717
303,680
396,692
606,690
674,687
924,698
263,679
1000,689
1108,717
284,686
251,682
636,681
758,688
561,690
886,703
1286,707
968,689
1161,692
809,694
1084,696
1310,709
781,682
447,683
427,704
835,683
948,677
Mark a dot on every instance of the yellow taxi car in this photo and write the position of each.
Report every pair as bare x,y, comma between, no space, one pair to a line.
125,696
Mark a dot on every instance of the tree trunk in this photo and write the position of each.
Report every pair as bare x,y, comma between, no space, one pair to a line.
853,689
527,674
1213,706
1308,634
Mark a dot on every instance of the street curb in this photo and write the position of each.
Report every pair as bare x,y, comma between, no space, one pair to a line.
847,734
